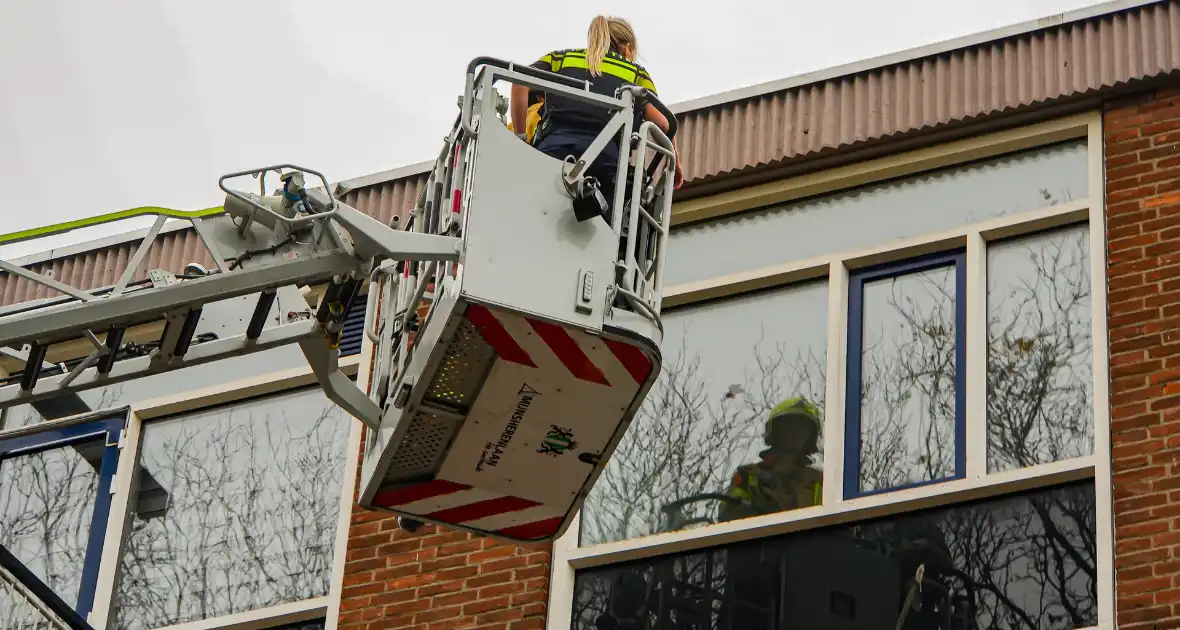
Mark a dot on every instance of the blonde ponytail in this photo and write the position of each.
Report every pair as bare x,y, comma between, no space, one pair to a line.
605,32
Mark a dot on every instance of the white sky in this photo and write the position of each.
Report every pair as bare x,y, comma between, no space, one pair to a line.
124,103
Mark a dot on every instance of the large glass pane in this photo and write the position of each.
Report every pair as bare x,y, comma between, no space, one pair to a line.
1040,352
879,213
1025,562
908,379
701,435
245,515
47,502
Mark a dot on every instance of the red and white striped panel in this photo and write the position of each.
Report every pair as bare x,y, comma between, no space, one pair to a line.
574,379
476,509
583,360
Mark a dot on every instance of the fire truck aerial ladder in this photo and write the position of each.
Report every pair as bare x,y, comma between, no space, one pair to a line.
512,342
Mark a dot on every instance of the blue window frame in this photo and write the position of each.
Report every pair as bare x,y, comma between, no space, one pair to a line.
106,428
941,365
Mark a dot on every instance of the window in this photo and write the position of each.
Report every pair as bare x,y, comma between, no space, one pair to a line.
54,501
906,355
948,321
1040,406
1022,561
243,511
726,367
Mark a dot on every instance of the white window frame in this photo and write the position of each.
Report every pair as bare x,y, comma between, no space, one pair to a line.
143,411
977,483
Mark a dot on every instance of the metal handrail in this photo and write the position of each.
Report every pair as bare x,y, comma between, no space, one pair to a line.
259,207
42,598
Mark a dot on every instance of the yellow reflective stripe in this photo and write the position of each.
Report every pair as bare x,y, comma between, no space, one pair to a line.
549,60
646,82
738,492
625,71
60,228
817,493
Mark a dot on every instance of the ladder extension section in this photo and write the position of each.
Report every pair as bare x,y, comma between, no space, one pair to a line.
268,246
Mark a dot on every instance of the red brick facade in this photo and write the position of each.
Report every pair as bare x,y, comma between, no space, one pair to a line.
438,579
1143,230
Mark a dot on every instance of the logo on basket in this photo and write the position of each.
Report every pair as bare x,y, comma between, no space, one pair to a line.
490,457
557,441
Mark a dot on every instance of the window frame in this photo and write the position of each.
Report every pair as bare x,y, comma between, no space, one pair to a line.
194,401
118,520
839,268
852,408
108,425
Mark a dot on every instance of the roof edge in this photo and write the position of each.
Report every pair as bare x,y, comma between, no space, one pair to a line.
382,177
81,247
912,54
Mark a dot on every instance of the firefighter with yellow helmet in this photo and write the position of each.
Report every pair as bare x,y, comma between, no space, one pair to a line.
784,477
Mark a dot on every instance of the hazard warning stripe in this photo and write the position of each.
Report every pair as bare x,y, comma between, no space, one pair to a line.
447,501
632,358
482,509
568,350
512,519
418,492
536,529
493,332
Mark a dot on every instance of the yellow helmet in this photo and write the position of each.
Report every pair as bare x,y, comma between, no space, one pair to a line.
794,409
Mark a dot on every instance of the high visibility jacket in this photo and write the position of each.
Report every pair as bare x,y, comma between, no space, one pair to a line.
563,112
766,487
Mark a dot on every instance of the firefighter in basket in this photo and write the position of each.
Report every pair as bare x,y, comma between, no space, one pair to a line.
785,477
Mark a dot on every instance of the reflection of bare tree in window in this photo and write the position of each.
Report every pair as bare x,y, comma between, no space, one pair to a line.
1039,405
688,438
691,433
1030,564
908,380
254,501
1017,563
46,505
1039,402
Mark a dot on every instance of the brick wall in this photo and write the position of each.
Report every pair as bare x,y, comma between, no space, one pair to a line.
1143,228
438,579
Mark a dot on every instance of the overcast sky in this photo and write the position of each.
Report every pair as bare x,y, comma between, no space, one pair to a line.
124,103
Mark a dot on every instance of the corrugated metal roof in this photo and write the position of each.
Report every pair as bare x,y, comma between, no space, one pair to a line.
762,129
102,267
1044,67
383,201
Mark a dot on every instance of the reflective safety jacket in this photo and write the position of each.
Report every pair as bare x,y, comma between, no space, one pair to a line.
773,485
563,112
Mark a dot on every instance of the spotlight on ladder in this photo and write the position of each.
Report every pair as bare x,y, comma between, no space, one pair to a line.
195,269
